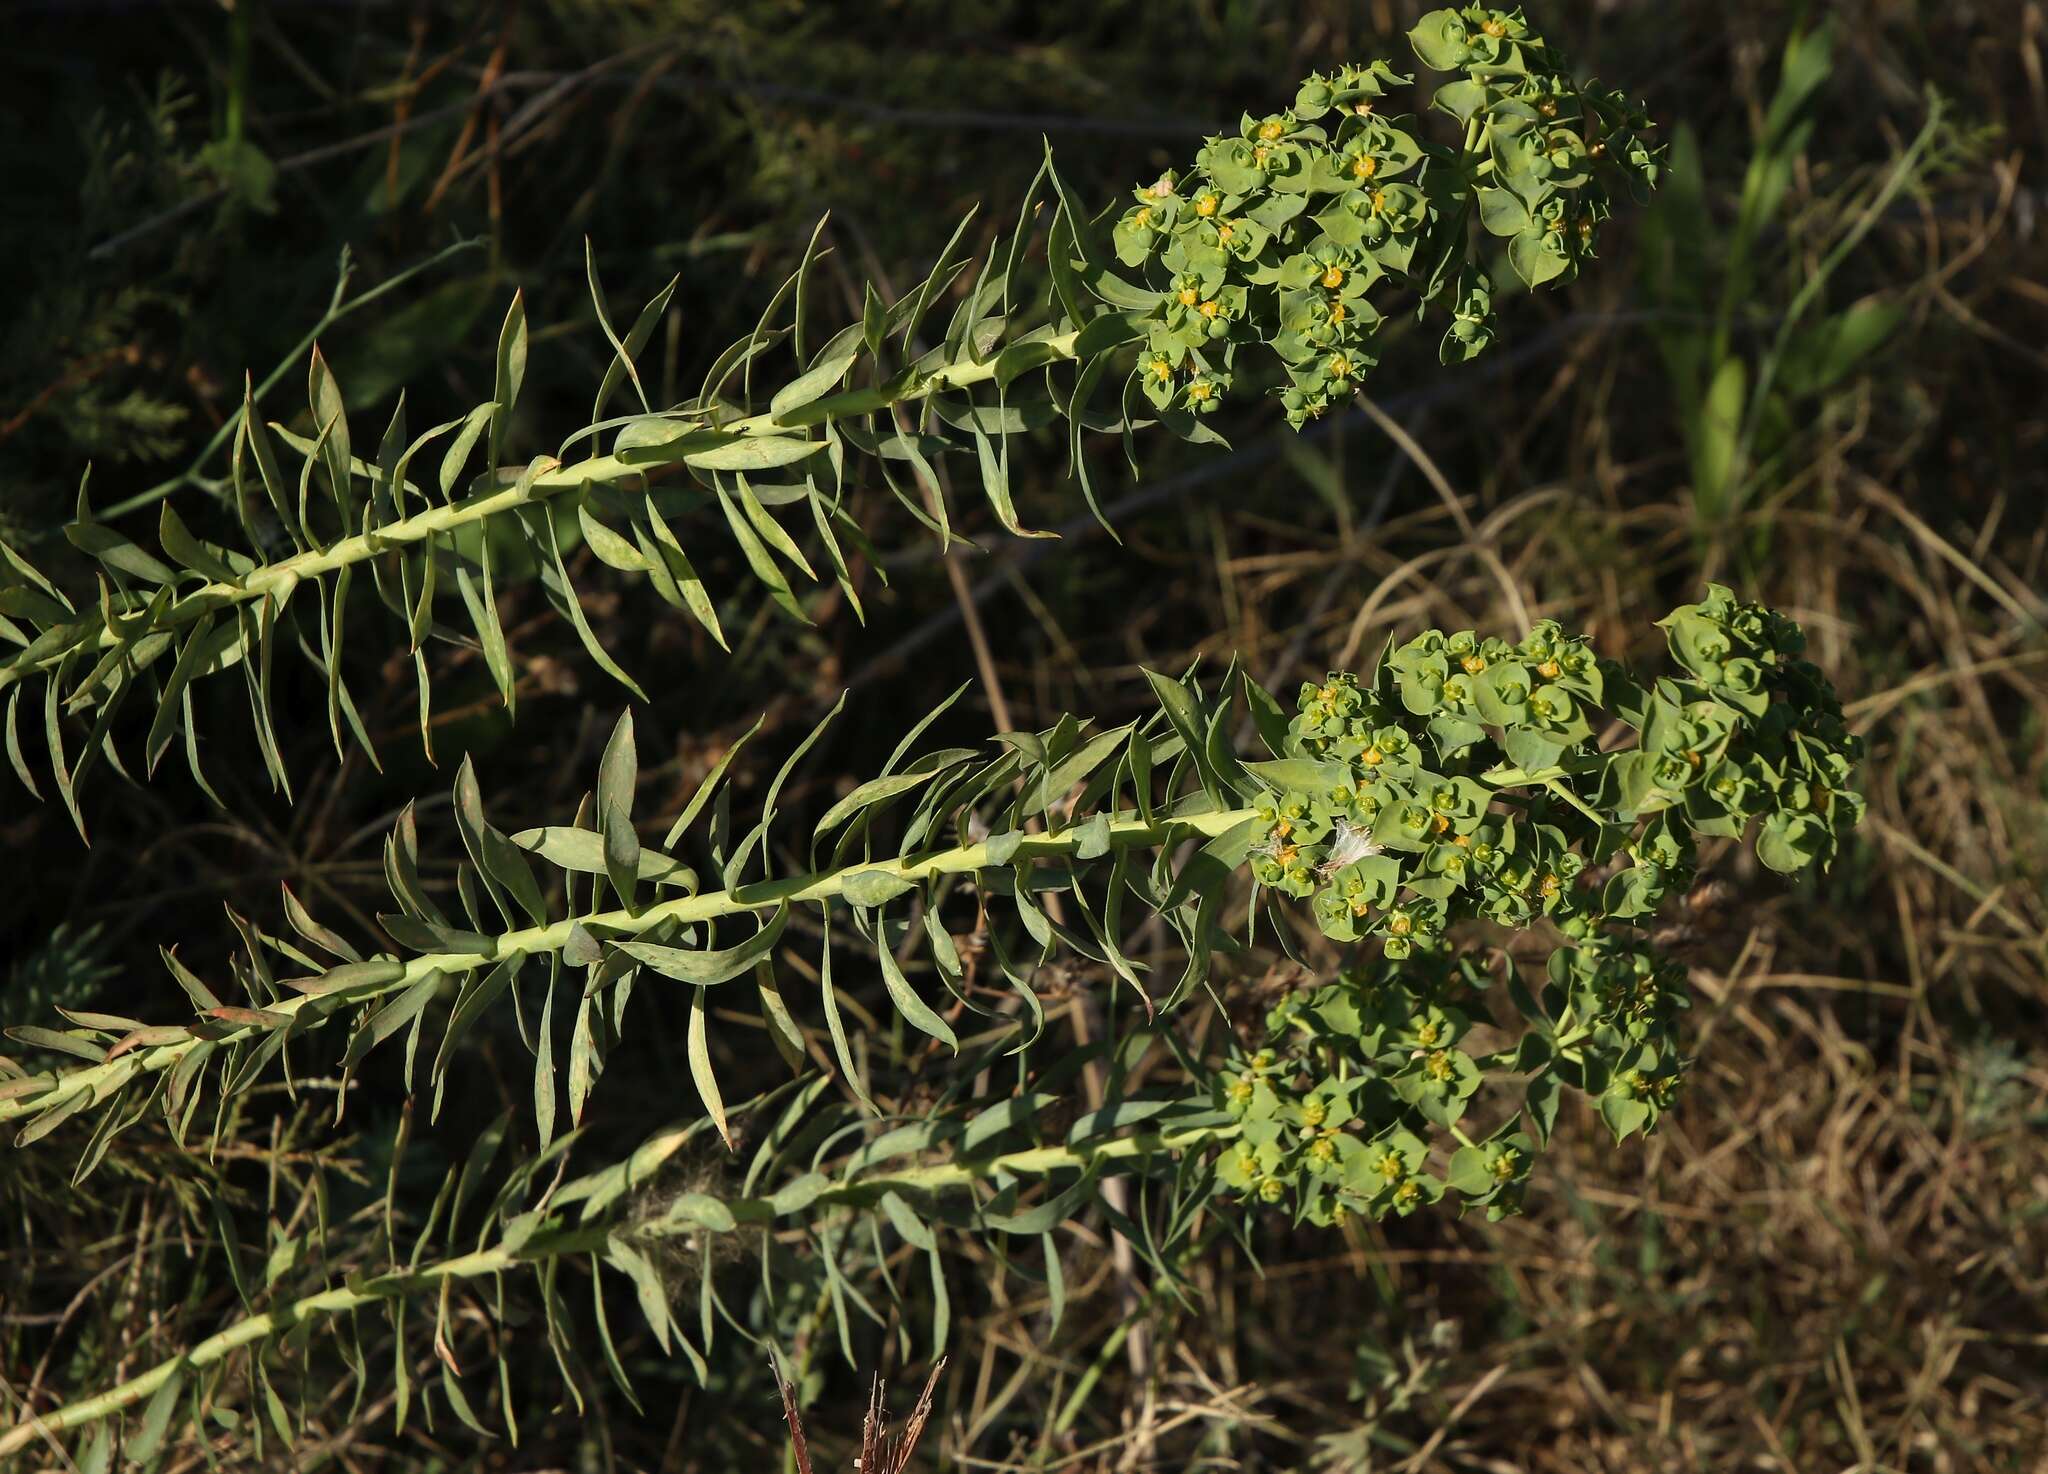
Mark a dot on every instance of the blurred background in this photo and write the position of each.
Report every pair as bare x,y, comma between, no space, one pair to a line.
1812,369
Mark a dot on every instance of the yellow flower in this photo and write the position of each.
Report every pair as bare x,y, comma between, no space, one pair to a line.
1334,278
1206,204
1364,166
1189,296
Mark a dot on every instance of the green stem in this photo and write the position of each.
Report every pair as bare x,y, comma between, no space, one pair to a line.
36,1094
1552,785
39,1093
277,580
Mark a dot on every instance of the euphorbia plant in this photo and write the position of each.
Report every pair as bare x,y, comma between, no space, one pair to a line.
1462,782
1461,787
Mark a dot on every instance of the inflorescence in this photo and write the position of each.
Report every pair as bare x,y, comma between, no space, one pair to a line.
1286,233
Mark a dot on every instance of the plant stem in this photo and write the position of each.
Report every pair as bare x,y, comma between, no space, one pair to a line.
38,1093
584,1239
277,580
103,1079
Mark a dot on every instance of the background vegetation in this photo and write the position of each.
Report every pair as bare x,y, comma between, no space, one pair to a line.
1812,369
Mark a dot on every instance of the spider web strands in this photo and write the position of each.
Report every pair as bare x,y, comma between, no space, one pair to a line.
594,1220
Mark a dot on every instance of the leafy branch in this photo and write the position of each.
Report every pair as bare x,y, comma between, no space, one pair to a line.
1463,779
1297,237
603,1221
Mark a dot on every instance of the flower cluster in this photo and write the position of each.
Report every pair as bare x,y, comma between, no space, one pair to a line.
1754,733
1462,782
1546,139
1359,1103
1387,809
1285,233
1336,1117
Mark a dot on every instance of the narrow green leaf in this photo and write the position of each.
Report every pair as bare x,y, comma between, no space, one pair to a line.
689,589
764,567
617,776
187,550
914,1010
511,374
708,787
710,967
754,453
582,850
700,1069
812,384
156,1418
544,1069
